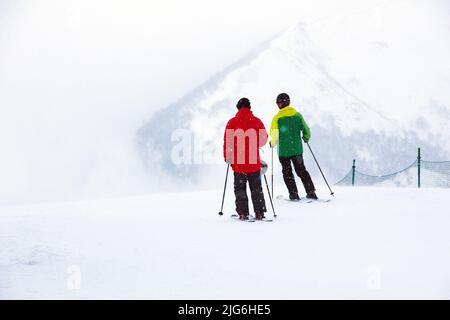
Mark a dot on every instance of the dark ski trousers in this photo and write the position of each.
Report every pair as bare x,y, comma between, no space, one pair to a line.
240,191
301,171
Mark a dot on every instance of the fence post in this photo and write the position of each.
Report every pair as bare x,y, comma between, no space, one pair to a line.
353,172
418,167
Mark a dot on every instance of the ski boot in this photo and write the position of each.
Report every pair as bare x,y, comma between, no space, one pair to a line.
311,195
294,197
243,216
259,216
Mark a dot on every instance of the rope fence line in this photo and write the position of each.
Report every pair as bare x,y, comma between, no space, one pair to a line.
420,173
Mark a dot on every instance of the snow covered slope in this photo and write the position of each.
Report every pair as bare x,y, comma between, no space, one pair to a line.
373,85
366,243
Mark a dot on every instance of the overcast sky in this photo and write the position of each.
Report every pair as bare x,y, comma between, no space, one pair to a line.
168,47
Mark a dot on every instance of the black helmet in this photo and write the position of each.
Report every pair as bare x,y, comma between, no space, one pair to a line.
283,99
243,103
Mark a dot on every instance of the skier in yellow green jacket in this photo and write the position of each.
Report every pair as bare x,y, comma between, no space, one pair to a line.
287,131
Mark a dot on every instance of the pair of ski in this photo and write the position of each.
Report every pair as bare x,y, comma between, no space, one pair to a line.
250,219
303,200
280,197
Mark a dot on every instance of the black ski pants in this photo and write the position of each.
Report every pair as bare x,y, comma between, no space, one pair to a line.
299,167
240,191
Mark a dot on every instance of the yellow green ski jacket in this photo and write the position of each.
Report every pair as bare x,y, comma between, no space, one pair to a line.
286,131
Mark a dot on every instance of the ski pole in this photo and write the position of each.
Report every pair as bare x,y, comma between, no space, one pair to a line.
270,197
224,189
331,191
272,173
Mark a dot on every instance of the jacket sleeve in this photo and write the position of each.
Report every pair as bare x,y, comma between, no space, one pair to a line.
228,140
262,133
274,131
306,131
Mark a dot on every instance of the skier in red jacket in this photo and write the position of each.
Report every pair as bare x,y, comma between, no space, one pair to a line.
244,135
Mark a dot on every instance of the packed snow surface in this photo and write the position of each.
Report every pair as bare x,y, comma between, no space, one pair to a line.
366,243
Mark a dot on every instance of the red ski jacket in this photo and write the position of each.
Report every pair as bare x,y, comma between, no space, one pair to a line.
244,135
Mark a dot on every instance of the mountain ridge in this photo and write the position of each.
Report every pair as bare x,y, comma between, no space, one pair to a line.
344,123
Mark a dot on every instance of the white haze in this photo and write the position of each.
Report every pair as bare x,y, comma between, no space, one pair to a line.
77,78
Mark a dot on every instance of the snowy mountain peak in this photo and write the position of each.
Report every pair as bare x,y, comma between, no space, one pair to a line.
347,112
